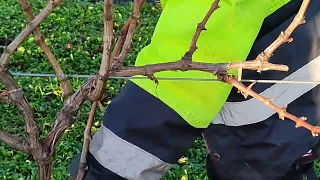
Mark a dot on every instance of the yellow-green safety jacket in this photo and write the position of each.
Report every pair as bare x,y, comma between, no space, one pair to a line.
230,34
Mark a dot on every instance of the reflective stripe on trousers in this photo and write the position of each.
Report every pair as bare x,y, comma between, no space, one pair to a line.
124,158
238,114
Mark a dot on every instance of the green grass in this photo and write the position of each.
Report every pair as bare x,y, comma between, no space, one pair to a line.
69,23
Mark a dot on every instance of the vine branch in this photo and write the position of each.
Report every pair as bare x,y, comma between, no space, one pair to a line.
67,115
4,96
87,138
108,38
264,58
199,66
284,37
123,33
15,142
130,33
40,39
17,97
201,27
282,112
9,50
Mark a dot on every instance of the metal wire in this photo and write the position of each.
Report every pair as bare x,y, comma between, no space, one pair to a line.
161,78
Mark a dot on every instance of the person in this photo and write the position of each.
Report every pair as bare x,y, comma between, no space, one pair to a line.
247,140
148,126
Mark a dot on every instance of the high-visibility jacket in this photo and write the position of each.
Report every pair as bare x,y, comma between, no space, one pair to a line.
230,33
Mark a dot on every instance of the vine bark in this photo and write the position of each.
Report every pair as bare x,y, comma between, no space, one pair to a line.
42,150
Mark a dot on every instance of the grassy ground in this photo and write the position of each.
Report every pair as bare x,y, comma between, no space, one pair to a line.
70,23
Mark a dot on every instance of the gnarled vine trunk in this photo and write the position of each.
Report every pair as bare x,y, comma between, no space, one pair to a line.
45,170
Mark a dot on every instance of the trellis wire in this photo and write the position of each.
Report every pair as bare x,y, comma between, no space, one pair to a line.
162,78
